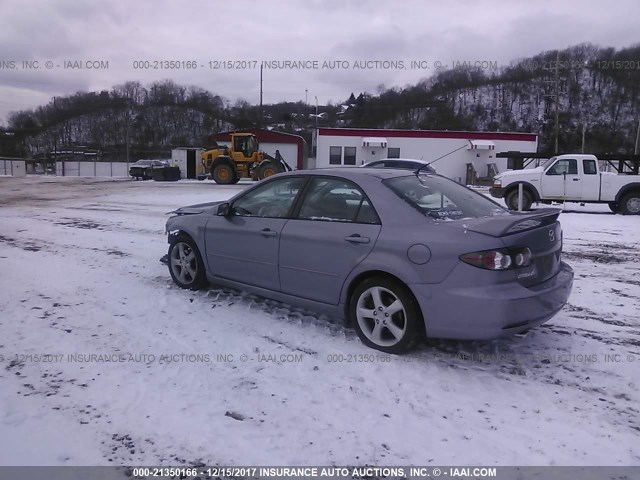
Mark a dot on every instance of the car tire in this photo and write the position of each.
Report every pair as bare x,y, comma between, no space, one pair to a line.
185,263
630,204
614,207
378,327
223,174
512,200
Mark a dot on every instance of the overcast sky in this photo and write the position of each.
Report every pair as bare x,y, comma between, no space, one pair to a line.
122,32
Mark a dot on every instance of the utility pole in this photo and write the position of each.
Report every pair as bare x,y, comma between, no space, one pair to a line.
584,131
55,142
261,115
316,112
306,96
553,96
637,149
127,121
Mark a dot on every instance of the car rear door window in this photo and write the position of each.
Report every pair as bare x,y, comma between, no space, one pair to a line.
336,200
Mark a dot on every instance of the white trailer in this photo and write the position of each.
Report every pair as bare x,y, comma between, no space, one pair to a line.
188,159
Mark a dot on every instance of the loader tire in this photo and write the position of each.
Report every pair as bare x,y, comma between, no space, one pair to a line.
224,174
268,169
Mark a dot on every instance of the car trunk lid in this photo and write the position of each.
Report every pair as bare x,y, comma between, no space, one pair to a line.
540,231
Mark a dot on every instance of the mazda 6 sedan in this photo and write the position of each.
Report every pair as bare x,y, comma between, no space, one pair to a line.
399,255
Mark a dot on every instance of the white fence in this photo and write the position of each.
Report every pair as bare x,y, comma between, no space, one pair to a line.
16,168
92,169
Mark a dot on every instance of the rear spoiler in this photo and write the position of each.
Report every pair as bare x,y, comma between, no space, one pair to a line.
515,222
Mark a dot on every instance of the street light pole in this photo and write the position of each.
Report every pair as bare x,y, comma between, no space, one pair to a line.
316,111
127,128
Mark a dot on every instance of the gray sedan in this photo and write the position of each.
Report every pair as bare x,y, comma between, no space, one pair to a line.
401,256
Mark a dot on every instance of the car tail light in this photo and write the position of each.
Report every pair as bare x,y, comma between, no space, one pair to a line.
500,259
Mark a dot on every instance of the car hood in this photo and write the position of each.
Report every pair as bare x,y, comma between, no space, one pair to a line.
502,225
519,173
195,209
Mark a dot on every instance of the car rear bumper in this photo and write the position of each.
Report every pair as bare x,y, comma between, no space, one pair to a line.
497,192
491,311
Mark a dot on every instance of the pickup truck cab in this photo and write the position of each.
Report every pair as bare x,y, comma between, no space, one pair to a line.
570,178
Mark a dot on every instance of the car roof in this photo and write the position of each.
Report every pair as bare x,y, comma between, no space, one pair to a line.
353,173
423,162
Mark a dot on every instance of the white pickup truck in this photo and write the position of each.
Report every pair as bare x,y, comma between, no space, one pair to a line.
571,178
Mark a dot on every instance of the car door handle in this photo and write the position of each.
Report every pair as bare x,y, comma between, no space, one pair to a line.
267,232
357,239
576,179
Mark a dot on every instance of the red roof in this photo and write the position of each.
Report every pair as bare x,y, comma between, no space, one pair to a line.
369,132
268,136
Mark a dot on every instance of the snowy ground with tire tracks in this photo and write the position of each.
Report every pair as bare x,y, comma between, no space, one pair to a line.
105,362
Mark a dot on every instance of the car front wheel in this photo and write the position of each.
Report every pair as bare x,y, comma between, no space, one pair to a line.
385,315
185,263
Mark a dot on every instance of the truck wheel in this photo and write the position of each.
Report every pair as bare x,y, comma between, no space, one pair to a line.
630,204
269,168
223,174
512,200
614,207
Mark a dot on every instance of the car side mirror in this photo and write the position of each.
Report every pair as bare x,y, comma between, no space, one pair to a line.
224,209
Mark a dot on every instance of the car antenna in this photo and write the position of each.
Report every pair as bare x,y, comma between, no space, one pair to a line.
440,158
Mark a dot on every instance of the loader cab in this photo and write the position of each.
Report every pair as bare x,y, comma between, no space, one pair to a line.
245,144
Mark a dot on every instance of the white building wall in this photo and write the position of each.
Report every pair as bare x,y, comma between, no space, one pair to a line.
452,166
289,151
16,168
92,169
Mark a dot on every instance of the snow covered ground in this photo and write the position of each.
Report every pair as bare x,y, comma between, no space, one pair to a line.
104,362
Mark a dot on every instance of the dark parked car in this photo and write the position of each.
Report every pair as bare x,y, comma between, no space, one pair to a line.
400,255
143,169
403,163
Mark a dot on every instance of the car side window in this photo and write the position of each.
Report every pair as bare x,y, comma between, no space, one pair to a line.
589,167
271,200
564,167
336,200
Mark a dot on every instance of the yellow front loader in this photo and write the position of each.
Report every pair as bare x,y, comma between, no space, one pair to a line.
243,159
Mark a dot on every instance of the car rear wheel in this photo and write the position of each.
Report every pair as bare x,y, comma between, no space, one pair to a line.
385,315
185,263
630,204
512,200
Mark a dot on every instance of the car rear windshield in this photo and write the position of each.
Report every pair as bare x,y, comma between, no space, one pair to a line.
441,198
